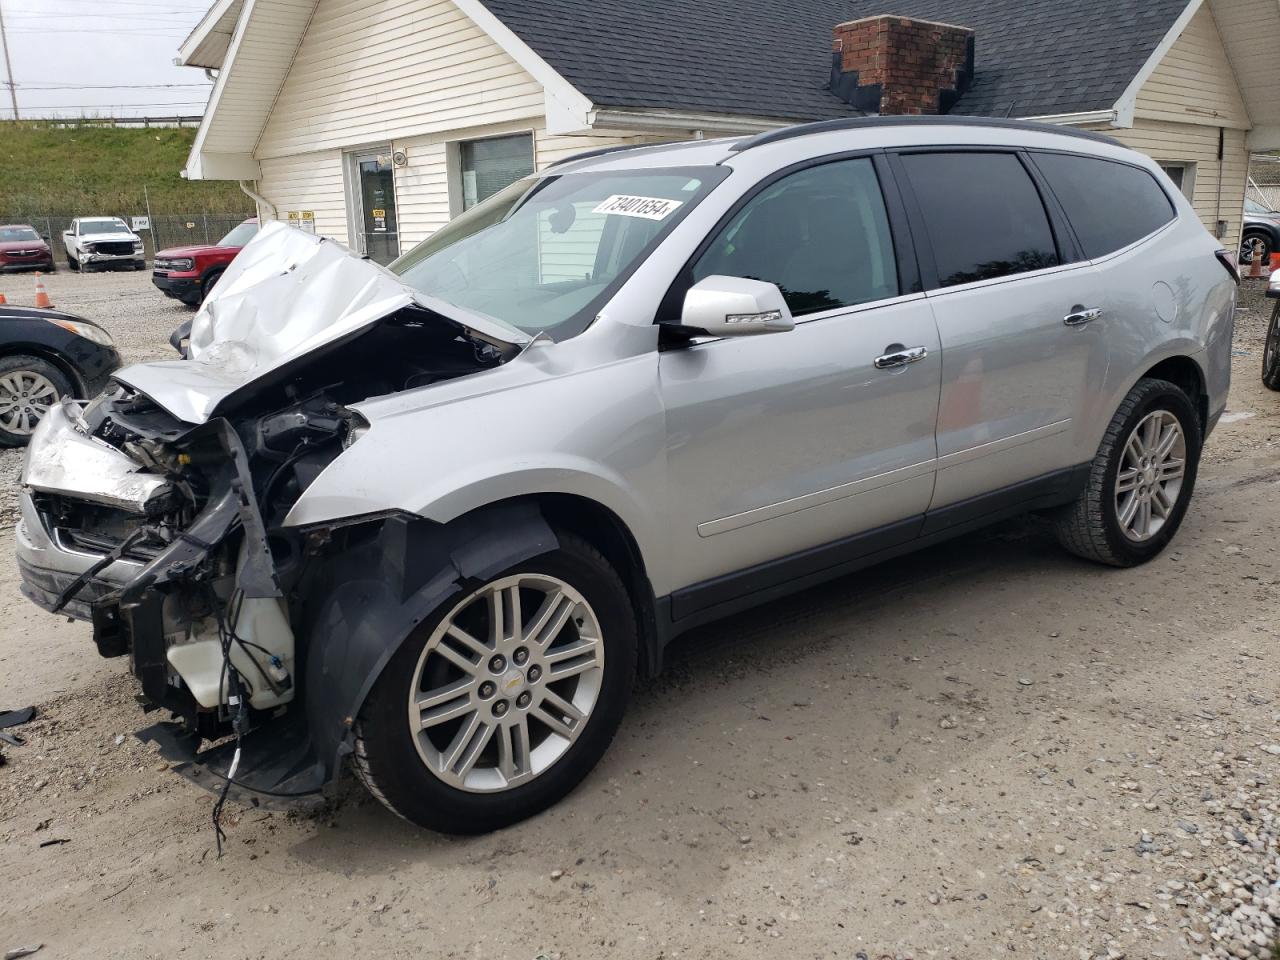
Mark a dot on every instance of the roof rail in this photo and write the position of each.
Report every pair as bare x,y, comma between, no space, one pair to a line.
599,152
871,123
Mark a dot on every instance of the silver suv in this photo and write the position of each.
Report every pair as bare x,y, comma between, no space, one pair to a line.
434,519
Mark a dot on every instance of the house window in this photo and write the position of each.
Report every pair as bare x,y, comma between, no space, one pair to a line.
1183,176
490,165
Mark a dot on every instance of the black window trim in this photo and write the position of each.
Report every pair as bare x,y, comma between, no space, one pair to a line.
900,236
1070,255
1176,214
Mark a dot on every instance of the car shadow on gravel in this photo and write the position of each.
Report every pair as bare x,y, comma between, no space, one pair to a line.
755,668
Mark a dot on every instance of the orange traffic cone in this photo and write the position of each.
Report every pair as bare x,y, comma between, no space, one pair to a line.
1255,260
42,298
3,301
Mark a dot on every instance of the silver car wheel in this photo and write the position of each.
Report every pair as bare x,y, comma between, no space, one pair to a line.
25,397
506,683
1150,477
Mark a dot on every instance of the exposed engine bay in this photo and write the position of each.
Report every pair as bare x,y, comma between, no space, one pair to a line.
185,564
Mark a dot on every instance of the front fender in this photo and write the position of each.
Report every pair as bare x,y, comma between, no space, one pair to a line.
389,576
596,433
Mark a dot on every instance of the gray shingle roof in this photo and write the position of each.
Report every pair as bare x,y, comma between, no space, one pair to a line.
771,58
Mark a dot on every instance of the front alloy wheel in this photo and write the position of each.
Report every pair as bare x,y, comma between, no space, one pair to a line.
504,698
506,683
29,386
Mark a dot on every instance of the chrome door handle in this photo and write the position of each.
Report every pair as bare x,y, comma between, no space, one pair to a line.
1081,317
900,356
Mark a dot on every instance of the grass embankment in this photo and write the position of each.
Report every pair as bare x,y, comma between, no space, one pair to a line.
66,171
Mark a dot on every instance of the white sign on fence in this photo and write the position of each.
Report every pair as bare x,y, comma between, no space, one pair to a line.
139,223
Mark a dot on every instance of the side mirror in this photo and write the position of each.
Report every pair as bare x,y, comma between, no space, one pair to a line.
720,306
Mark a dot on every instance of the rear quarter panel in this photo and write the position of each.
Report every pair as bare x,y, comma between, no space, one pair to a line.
1167,296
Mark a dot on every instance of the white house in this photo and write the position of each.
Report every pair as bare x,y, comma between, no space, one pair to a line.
375,121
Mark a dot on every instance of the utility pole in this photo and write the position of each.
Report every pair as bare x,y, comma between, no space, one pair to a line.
8,65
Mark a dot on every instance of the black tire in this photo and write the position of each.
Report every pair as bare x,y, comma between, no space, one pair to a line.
22,363
207,285
1091,527
73,263
387,761
1246,247
1271,352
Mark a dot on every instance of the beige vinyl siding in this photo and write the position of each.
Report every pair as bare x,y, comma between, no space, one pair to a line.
308,181
552,149
1194,82
423,184
1198,144
373,72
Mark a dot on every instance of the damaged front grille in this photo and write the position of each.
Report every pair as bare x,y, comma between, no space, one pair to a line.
93,529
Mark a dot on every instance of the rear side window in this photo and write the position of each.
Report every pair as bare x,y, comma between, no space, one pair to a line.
822,235
1110,205
983,213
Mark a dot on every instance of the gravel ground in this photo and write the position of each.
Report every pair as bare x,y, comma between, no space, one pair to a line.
988,748
137,315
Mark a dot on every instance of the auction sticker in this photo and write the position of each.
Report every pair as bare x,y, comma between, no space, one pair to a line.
650,208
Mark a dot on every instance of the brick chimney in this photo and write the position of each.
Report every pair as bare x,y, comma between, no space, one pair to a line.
897,65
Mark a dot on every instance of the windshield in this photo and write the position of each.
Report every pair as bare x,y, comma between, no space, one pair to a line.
102,226
239,236
543,254
17,234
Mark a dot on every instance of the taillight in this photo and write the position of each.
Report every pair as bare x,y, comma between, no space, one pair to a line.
1229,263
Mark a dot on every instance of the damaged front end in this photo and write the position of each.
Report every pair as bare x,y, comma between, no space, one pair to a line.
158,511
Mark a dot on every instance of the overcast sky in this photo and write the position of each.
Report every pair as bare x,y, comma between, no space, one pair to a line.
103,57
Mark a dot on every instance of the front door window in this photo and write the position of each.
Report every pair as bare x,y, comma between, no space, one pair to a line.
379,237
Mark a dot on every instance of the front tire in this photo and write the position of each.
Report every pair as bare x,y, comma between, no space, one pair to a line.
73,262
502,701
1271,352
1265,250
206,287
1140,481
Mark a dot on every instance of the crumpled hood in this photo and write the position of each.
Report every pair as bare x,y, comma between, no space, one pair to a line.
285,295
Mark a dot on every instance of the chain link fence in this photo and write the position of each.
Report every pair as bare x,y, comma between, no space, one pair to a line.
167,229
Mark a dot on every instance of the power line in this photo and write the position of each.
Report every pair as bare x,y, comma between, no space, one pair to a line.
113,86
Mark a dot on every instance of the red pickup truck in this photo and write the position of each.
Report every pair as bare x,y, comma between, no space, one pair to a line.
189,273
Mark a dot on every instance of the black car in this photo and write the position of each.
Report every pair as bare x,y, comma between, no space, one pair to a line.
1262,225
46,355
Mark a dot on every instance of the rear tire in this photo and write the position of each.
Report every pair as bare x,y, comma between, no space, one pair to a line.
1271,352
29,386
570,599
1106,522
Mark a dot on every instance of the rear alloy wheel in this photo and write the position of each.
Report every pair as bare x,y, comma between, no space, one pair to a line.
29,386
1271,352
1140,481
504,699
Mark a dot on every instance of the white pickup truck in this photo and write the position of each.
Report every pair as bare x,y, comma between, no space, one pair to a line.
102,242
